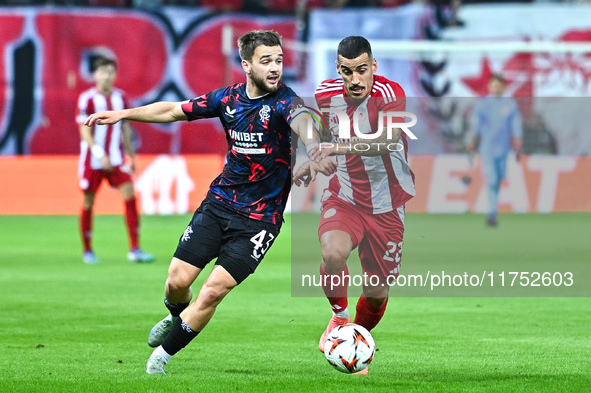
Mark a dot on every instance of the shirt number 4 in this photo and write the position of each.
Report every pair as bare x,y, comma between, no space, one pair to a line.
260,248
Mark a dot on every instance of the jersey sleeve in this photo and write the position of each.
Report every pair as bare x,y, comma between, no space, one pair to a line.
326,90
203,107
289,104
394,98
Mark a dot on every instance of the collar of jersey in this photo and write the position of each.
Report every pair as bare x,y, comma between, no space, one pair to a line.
253,98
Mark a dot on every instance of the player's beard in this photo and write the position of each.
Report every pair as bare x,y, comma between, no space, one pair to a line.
261,83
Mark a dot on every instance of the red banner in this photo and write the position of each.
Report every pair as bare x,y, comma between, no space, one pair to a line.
160,57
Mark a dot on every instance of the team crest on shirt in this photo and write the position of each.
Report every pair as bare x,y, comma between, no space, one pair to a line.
265,113
362,113
330,212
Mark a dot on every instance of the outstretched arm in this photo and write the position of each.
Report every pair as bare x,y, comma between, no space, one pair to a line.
299,125
128,143
158,112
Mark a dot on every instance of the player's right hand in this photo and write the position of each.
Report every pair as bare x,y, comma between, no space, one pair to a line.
105,117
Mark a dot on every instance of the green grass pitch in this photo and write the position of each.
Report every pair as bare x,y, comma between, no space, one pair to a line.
70,327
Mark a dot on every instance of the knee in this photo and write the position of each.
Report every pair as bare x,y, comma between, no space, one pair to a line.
212,295
177,282
174,286
334,258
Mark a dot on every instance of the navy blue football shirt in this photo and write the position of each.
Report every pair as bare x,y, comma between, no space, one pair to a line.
256,178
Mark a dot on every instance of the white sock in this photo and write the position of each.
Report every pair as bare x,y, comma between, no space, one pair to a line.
162,353
342,314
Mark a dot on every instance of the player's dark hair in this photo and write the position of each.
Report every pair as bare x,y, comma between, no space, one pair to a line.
353,47
497,77
103,61
250,41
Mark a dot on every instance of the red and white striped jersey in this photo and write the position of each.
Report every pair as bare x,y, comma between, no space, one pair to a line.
377,184
110,137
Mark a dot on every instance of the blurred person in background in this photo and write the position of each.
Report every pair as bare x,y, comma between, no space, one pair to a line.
102,156
497,127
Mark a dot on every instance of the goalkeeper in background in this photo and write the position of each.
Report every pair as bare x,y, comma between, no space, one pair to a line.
496,126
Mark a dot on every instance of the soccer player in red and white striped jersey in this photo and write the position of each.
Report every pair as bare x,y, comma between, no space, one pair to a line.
374,181
102,156
363,206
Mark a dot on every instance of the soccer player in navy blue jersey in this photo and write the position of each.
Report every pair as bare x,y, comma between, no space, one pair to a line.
242,213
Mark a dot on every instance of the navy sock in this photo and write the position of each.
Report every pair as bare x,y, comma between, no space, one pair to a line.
175,309
180,335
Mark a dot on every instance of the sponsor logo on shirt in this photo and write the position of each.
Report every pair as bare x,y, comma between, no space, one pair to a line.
243,150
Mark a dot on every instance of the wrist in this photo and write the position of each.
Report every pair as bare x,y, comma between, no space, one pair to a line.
97,151
311,146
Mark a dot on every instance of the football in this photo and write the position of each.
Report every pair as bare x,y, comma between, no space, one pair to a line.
349,348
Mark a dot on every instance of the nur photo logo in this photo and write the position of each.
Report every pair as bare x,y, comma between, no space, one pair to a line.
339,124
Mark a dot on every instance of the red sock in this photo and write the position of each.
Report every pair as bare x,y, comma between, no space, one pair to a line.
367,315
336,294
86,229
132,222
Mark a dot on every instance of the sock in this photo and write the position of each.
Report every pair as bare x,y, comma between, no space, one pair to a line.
162,353
342,314
132,222
86,229
175,309
179,337
367,315
336,294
